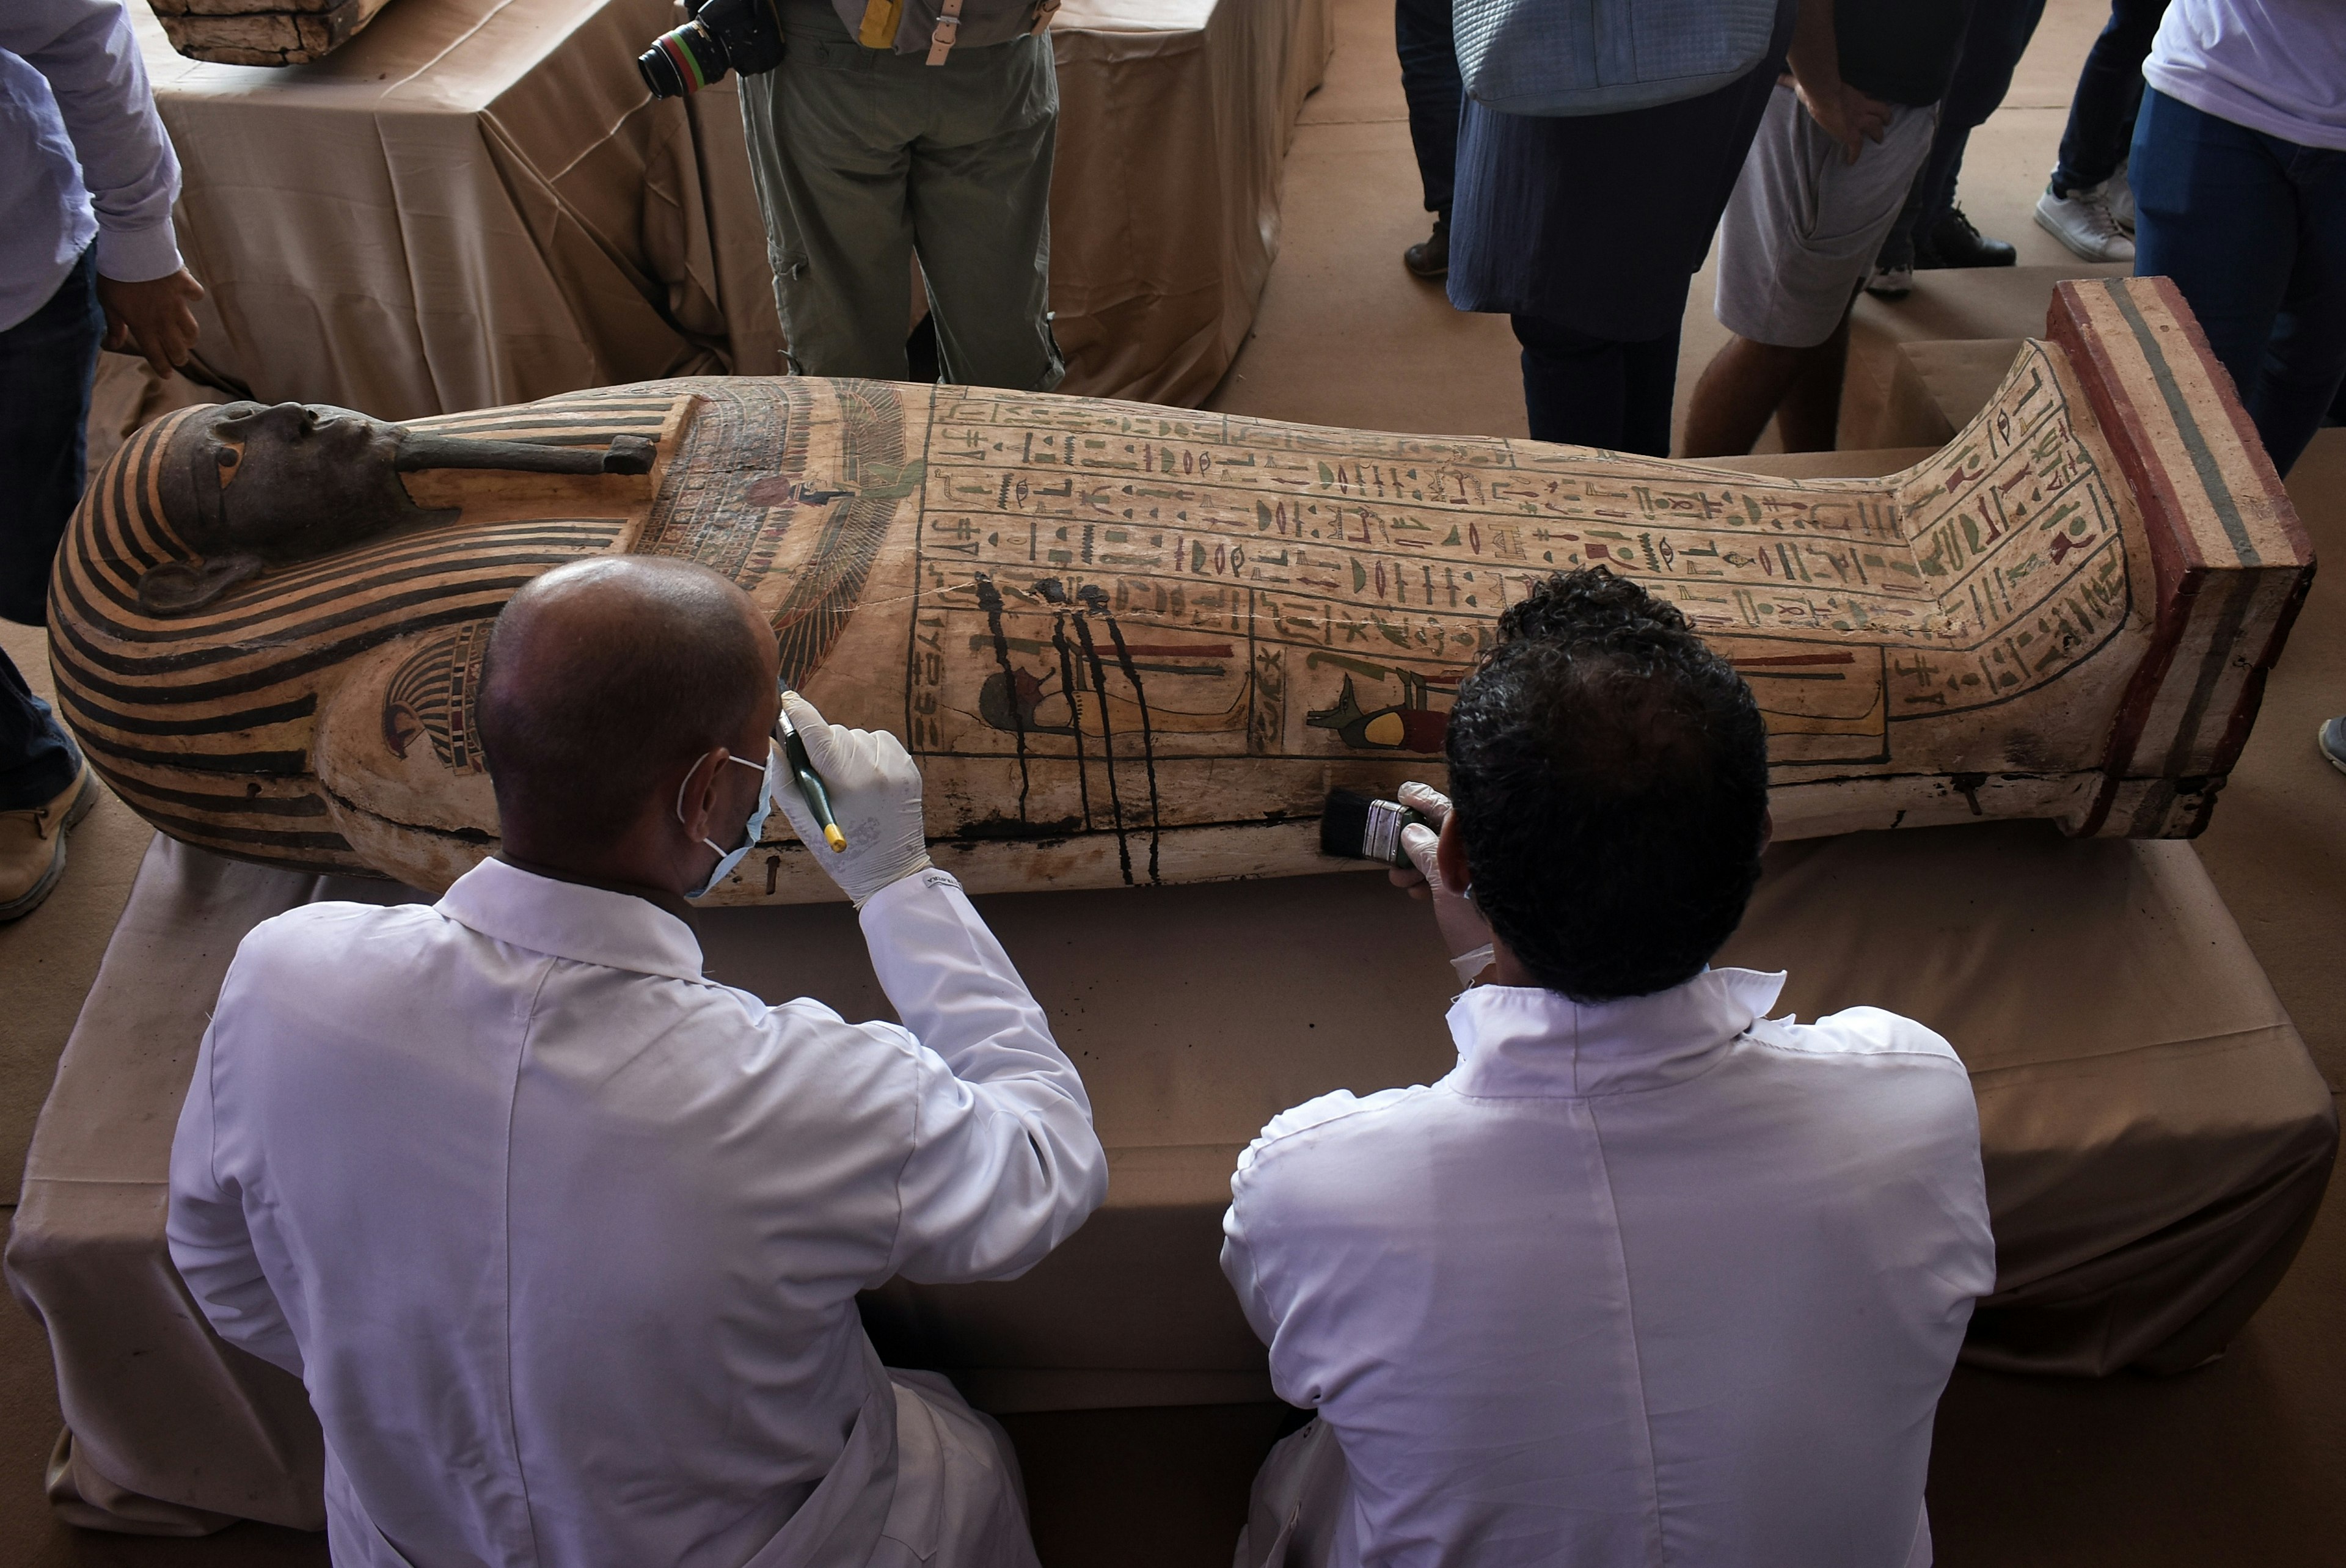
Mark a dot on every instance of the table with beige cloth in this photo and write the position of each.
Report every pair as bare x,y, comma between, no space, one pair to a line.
2156,1137
475,202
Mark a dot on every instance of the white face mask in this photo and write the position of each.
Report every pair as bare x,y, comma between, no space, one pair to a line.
769,781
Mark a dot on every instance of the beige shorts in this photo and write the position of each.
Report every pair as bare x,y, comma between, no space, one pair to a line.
1803,226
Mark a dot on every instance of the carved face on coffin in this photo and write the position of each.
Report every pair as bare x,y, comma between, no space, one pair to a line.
249,485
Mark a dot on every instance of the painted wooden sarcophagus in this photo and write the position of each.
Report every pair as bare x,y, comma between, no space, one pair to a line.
1133,645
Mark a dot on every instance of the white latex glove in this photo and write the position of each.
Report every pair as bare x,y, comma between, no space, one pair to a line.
1464,930
875,795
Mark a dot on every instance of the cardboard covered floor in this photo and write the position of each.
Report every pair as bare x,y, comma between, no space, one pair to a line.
2243,1463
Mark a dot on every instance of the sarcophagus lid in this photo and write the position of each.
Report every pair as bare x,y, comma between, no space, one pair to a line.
1133,645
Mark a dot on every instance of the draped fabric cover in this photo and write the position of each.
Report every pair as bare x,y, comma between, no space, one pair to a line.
475,202
2155,1137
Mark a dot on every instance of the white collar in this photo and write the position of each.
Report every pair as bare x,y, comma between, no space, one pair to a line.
572,921
1527,1041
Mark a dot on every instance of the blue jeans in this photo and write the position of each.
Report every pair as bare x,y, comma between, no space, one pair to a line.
37,758
1429,82
2252,230
46,364
2109,87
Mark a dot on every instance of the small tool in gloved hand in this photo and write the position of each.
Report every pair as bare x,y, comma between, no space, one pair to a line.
810,783
1405,834
1357,827
872,782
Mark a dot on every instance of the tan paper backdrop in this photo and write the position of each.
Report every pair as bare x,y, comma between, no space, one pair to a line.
2156,1137
475,202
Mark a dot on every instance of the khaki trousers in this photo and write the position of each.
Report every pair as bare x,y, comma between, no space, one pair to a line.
863,157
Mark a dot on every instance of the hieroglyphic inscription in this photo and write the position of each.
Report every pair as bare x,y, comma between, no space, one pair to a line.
1278,592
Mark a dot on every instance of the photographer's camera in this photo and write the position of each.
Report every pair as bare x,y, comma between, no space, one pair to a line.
743,36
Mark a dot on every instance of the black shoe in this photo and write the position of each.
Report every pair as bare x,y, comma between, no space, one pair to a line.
1954,242
1430,259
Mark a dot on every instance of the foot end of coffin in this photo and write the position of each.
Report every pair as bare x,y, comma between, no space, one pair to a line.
2232,563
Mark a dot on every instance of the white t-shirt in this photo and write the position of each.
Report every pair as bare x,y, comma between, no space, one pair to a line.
2274,65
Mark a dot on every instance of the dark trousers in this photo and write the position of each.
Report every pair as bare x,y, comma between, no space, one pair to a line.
865,158
2109,88
2252,230
1998,36
1585,231
47,362
1429,81
1596,392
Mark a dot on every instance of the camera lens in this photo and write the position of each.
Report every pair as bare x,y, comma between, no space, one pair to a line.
658,74
681,62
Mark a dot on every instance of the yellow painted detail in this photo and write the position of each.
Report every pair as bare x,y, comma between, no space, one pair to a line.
880,19
1385,729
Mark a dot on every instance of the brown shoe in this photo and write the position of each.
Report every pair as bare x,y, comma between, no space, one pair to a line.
33,846
1431,257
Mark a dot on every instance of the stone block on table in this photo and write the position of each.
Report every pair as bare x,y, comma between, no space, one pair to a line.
262,32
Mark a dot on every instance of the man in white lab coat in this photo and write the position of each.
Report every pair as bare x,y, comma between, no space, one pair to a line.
1648,1279
564,1238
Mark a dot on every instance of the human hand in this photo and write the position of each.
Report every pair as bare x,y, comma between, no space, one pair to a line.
876,794
1846,115
154,319
1870,116
1464,931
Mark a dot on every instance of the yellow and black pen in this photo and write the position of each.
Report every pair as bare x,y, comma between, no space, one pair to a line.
809,784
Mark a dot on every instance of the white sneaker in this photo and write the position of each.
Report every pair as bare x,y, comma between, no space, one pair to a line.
1891,282
2120,191
2082,221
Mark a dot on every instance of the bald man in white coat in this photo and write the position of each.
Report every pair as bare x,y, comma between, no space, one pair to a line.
563,1237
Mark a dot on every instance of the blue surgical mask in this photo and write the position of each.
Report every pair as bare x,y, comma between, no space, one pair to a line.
769,780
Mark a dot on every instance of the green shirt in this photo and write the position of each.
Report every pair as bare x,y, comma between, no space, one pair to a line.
1900,51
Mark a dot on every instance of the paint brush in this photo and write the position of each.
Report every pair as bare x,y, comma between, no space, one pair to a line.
1356,827
810,783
